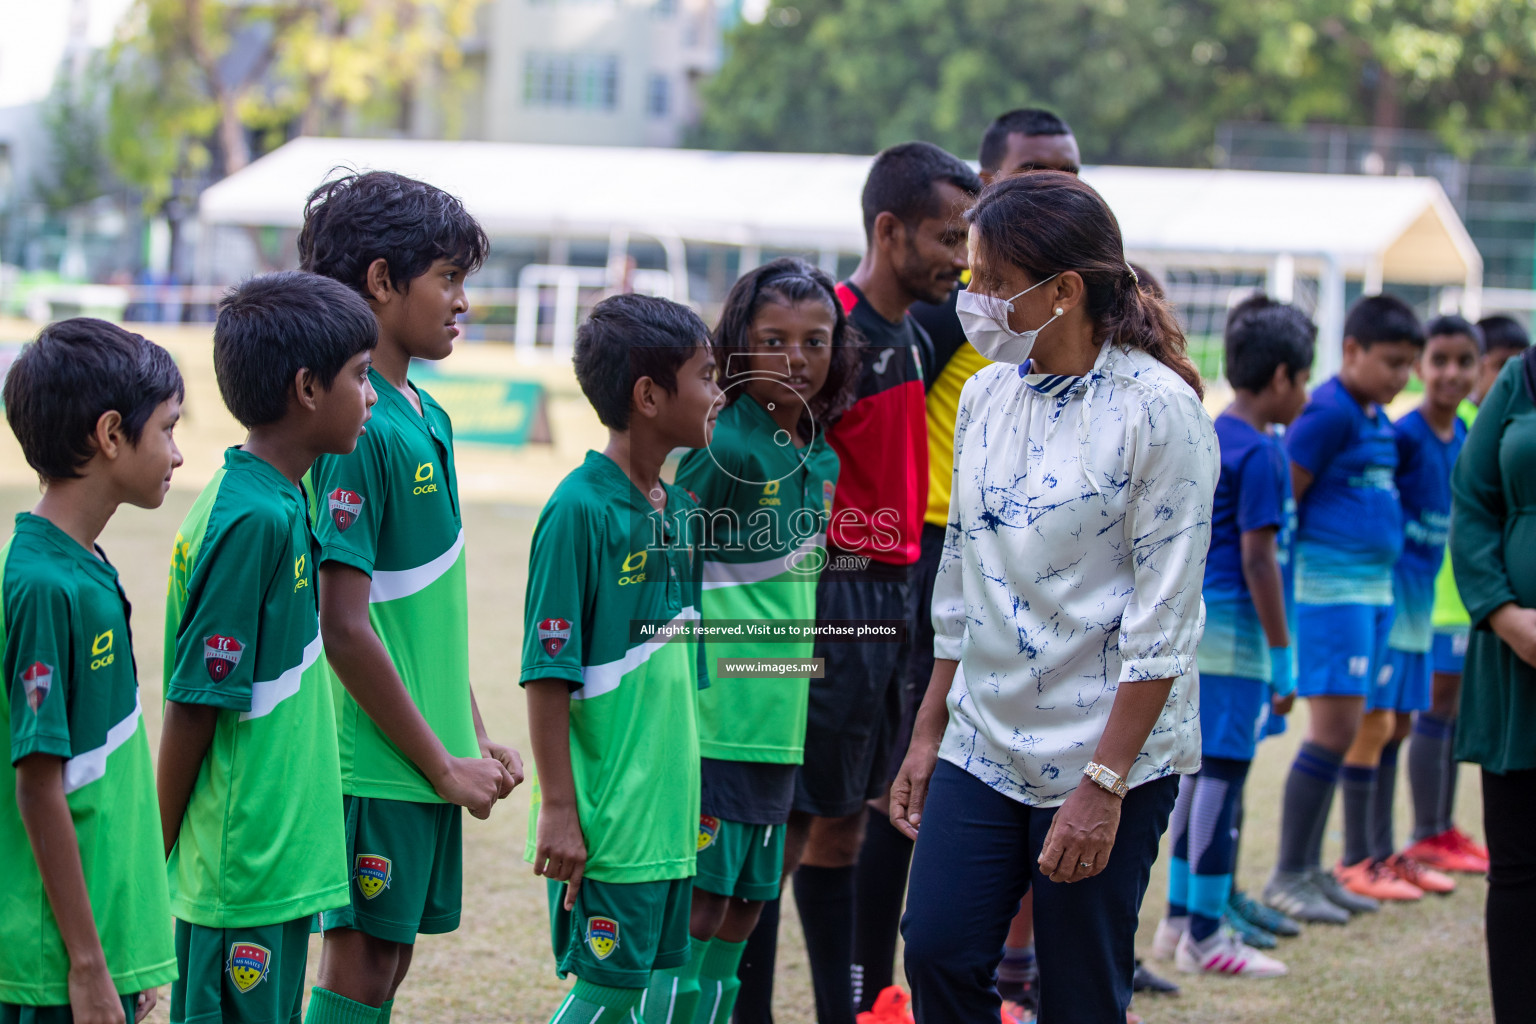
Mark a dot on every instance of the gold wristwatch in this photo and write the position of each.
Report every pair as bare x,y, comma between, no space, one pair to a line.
1106,778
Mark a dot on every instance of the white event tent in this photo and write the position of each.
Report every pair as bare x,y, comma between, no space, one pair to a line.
1377,230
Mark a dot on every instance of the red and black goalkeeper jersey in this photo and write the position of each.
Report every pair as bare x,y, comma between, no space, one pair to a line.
882,486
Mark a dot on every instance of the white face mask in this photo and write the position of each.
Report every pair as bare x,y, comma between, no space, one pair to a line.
984,318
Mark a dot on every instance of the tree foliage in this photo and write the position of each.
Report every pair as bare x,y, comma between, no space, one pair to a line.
1141,81
198,84
73,117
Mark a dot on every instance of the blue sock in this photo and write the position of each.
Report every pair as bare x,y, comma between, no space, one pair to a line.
1207,900
1383,840
1304,807
1178,887
1357,784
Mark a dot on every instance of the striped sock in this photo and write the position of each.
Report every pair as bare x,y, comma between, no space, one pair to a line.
588,1003
718,984
673,993
385,1010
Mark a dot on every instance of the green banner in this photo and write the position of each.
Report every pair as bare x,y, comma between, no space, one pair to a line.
488,409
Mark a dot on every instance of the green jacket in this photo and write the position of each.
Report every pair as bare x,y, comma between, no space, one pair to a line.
1493,552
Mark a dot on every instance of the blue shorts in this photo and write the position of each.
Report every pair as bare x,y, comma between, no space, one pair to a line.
1340,648
1402,684
1449,655
1232,716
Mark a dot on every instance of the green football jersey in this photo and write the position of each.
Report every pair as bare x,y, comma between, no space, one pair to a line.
72,692
604,562
262,841
765,507
391,509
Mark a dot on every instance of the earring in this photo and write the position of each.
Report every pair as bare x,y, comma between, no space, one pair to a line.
1060,311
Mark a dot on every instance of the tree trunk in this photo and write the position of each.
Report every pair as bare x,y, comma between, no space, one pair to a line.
237,152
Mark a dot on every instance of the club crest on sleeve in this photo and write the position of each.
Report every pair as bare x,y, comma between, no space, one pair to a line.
602,936
826,496
248,965
709,828
221,654
344,506
372,874
36,681
553,633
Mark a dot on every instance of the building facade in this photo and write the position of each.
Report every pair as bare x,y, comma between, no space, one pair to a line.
597,72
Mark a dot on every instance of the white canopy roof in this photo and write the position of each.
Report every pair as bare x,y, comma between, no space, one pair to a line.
1381,228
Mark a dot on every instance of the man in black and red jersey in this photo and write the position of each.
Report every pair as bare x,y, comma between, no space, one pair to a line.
914,222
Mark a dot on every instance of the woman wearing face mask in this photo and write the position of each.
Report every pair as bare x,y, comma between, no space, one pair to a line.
1067,611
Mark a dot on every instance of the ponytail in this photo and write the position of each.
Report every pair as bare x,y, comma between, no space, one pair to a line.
1140,318
1045,222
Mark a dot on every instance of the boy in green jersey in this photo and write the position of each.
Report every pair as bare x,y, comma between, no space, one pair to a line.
764,487
394,606
84,917
611,690
250,789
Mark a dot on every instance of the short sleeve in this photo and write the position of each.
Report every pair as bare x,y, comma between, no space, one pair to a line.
1318,435
555,600
349,495
220,628
1261,489
39,622
1168,524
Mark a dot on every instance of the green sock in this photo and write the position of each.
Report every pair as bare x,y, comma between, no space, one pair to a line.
587,1002
673,993
385,1011
718,983
326,1007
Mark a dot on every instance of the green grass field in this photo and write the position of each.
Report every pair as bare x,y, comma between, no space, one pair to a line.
1409,963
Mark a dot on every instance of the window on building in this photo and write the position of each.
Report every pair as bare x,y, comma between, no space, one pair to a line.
658,96
583,81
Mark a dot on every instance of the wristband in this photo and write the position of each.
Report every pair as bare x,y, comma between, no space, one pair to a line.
1282,672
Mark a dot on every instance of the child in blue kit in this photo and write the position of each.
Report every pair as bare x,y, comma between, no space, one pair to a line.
1428,440
1245,655
1432,765
1343,454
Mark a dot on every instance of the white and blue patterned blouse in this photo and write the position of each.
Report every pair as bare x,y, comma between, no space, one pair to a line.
1079,520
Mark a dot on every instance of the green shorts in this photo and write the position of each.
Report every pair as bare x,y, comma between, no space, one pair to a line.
620,932
20,1013
744,861
407,869
249,975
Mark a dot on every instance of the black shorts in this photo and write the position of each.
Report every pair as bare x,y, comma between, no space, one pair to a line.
920,664
855,709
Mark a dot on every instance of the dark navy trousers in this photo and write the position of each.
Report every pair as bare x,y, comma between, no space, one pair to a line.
976,858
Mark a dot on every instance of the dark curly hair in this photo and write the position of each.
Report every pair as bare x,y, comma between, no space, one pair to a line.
355,219
271,327
790,281
629,336
76,370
